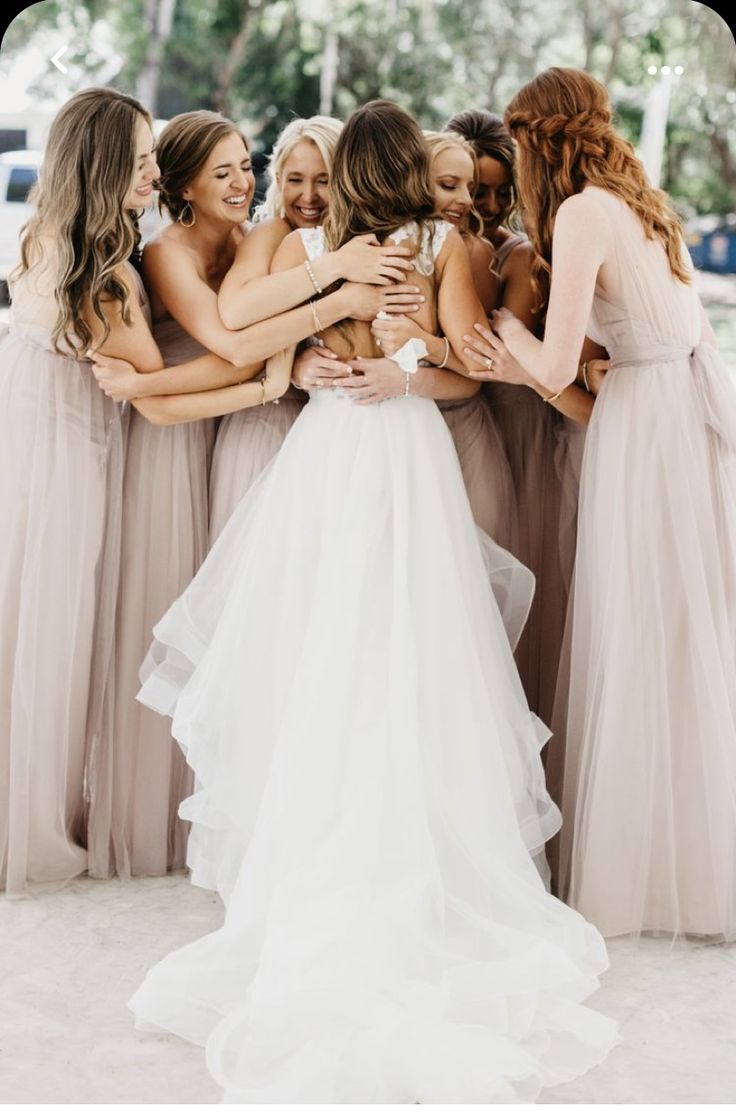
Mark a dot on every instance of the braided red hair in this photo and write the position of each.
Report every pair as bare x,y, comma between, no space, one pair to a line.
562,123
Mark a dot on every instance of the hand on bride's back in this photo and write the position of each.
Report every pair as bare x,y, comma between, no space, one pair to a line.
364,260
367,301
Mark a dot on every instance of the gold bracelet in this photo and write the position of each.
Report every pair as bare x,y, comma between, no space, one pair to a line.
312,276
263,391
407,376
585,375
447,353
554,398
319,327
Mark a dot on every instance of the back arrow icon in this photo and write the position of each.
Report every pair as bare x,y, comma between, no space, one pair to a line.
55,59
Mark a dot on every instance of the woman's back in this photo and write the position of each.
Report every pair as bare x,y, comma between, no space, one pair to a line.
429,241
639,306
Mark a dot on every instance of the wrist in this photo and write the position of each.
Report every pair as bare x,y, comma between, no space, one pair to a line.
149,384
327,269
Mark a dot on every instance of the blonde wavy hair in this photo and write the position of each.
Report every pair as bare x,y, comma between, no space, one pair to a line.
322,131
437,142
562,123
183,148
87,170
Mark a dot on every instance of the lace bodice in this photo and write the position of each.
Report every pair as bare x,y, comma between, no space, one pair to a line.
434,234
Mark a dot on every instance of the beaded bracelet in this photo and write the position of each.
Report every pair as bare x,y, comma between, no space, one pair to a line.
312,276
318,326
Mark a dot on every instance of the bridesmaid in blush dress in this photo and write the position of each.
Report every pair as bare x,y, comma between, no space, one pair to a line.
540,440
61,461
165,514
649,799
296,198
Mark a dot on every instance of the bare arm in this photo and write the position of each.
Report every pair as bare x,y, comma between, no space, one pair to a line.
250,294
581,242
517,293
170,410
458,305
481,262
129,362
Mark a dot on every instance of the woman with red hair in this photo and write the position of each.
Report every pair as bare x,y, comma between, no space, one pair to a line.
649,799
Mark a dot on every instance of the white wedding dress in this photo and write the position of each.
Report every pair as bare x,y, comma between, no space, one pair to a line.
369,789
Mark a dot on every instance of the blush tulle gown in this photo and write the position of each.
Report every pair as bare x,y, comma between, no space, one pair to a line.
649,798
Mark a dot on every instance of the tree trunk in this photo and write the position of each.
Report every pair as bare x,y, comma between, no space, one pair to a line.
159,17
235,55
329,71
722,150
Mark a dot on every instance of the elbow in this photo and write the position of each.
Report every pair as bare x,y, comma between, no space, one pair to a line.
228,317
557,378
469,388
154,410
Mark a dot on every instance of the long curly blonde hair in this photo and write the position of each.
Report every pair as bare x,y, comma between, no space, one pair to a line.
86,173
562,123
322,131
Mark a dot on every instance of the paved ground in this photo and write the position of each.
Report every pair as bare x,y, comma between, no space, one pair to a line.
71,959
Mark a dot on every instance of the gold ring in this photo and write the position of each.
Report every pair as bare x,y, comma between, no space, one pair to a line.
489,362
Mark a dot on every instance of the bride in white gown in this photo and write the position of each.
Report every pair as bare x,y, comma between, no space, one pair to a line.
368,771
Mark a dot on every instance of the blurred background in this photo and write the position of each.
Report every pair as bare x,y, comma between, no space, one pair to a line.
669,65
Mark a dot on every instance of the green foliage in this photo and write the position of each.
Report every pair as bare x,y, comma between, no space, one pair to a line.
262,60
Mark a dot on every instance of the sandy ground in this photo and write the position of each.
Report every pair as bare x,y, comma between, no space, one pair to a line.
71,958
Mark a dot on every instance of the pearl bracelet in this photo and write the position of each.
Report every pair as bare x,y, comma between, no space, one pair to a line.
312,276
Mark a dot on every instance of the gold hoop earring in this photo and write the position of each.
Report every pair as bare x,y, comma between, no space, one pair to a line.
192,214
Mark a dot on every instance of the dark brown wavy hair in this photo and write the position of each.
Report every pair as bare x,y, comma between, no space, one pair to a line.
562,123
87,169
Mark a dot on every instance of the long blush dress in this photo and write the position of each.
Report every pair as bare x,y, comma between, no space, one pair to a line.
340,677
246,441
135,828
484,465
61,463
649,800
529,430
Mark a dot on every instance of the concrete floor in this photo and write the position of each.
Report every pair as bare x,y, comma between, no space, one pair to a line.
71,958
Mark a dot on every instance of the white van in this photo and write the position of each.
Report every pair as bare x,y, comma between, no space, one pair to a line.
18,172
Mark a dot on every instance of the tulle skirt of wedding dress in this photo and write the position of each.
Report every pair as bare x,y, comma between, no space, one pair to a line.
369,790
649,837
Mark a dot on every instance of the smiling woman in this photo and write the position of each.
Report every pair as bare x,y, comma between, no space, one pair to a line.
61,460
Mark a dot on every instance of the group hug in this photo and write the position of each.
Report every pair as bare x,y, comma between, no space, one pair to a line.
371,552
